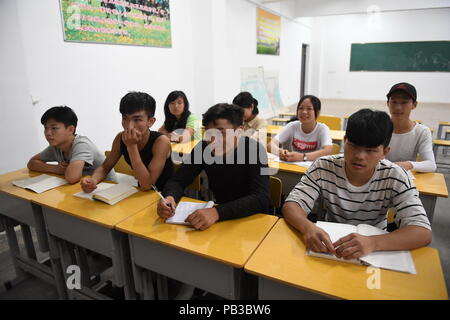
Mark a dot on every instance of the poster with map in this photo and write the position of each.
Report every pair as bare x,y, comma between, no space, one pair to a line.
131,22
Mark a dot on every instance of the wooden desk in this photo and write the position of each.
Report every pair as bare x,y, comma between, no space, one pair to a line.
287,114
430,186
212,259
90,224
285,272
16,204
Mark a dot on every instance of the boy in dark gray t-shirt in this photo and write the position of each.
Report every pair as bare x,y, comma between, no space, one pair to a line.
76,155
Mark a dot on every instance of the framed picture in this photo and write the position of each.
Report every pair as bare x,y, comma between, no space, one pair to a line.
131,22
268,33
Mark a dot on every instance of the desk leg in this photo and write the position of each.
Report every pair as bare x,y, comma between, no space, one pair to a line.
429,203
55,260
41,231
162,287
122,264
439,132
28,241
81,258
147,284
14,249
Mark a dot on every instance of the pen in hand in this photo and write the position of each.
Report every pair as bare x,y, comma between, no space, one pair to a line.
162,198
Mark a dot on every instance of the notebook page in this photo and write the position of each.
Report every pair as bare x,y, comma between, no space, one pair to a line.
305,164
101,186
115,191
23,183
47,184
336,230
184,209
393,260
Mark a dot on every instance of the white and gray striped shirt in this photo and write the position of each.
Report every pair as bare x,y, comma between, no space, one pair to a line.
389,187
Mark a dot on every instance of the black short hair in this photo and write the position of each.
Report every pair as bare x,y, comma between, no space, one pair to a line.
314,101
230,112
245,100
62,114
369,128
137,101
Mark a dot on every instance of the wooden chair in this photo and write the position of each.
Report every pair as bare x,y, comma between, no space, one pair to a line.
336,148
439,143
276,187
122,166
195,186
280,121
333,122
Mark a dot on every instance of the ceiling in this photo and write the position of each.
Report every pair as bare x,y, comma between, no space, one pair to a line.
313,8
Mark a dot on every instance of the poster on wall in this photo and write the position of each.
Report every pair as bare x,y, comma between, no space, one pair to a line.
253,81
268,33
131,22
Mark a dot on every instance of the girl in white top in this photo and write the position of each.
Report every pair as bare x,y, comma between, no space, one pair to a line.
307,138
409,138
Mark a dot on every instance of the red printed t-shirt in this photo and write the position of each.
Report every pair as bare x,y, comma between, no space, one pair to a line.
305,142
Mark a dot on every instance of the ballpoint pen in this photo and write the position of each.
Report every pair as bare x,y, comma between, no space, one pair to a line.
162,198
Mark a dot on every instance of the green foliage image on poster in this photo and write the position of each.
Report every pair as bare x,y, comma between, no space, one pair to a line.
132,22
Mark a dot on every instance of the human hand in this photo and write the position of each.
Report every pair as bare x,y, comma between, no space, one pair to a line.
405,165
354,246
293,156
202,219
174,137
131,137
165,211
60,168
88,184
318,240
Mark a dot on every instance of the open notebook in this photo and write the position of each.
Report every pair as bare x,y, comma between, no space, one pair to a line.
40,183
185,208
111,194
392,260
305,164
100,187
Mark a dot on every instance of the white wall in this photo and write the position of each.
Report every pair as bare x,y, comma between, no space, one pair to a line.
211,41
235,44
332,37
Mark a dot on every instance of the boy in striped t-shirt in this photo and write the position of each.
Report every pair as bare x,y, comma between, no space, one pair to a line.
360,187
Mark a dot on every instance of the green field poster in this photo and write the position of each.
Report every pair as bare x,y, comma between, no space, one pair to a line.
268,33
131,22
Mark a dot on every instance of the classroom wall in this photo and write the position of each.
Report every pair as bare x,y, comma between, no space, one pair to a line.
332,37
235,48
211,42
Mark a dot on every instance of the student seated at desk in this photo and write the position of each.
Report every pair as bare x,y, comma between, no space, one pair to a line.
360,187
252,123
234,165
409,138
147,152
180,124
76,155
308,138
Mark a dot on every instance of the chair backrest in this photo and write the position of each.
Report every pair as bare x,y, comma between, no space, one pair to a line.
336,149
122,166
276,187
333,122
196,184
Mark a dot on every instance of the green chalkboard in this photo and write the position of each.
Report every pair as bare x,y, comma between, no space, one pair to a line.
422,56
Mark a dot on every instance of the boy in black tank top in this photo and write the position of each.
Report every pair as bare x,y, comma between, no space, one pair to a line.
147,152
